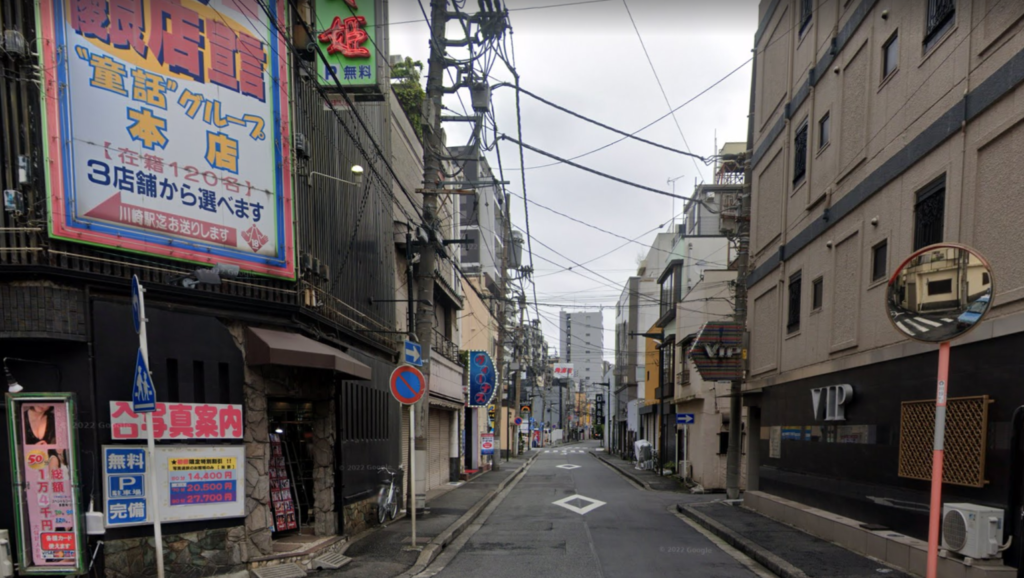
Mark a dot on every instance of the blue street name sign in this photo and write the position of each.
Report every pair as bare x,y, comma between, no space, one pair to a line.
684,418
143,391
413,354
136,304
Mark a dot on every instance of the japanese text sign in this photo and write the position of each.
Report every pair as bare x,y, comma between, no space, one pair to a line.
193,483
482,379
346,33
44,458
125,471
167,129
177,421
563,371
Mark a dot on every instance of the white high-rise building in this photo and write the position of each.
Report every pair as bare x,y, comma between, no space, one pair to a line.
581,341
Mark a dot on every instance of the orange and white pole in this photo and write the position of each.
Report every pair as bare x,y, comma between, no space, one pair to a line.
935,512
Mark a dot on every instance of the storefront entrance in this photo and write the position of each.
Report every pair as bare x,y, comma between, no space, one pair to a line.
290,427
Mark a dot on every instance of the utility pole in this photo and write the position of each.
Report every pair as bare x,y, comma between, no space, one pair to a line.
732,471
500,300
433,178
520,349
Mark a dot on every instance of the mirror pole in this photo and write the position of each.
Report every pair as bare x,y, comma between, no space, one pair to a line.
937,461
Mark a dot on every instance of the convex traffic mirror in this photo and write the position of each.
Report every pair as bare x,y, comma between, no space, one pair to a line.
940,293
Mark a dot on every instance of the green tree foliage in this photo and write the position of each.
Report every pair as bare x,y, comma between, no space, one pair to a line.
405,81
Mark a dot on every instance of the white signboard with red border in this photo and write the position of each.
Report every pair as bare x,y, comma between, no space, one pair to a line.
177,421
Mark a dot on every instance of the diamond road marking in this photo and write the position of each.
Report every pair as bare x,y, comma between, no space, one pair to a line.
567,504
568,466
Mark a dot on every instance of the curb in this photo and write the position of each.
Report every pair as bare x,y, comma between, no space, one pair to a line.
763,557
624,473
434,548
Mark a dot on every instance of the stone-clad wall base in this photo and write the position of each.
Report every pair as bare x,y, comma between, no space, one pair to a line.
189,555
360,516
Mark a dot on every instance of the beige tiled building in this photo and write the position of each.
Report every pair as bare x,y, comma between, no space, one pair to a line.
881,127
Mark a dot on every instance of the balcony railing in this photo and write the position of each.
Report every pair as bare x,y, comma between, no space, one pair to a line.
445,347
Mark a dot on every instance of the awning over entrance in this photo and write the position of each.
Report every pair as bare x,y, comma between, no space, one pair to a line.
269,347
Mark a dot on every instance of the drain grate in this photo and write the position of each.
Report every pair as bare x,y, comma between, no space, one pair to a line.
280,571
331,561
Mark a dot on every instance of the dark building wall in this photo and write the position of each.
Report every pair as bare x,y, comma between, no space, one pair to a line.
860,480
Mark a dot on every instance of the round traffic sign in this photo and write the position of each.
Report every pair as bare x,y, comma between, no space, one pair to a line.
407,384
519,421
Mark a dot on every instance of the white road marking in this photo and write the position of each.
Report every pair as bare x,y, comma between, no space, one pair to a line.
569,466
916,326
593,504
903,328
927,321
947,320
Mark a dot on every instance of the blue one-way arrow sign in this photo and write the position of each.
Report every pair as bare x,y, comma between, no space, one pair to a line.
684,418
413,354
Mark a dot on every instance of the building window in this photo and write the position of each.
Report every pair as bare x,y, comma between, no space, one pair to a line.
890,55
793,322
984,279
823,130
817,293
940,287
940,17
806,8
929,213
723,443
879,263
800,153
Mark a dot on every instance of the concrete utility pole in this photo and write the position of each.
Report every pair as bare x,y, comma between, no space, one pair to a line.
433,176
732,471
500,300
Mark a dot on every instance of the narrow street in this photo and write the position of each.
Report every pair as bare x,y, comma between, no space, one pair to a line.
633,533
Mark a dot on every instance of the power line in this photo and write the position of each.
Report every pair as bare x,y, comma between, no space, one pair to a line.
662,87
518,9
597,172
595,122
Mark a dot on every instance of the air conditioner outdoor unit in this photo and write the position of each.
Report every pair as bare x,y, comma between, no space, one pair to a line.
972,531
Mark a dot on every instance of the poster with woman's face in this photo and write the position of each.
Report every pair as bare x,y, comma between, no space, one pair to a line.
48,495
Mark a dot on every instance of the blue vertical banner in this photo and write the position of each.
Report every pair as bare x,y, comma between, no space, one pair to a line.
483,379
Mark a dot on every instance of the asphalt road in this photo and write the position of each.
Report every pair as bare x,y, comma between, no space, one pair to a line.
634,533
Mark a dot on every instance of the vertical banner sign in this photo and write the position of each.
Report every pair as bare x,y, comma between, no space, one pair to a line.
347,34
487,444
280,488
482,379
44,452
167,129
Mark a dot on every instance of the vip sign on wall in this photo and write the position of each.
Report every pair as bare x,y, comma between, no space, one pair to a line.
346,33
167,128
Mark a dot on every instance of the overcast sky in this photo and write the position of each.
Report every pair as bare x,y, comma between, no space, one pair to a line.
588,58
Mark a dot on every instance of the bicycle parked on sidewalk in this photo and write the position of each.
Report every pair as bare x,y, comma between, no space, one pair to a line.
387,498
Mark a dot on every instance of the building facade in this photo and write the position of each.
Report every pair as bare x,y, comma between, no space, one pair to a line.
292,354
881,128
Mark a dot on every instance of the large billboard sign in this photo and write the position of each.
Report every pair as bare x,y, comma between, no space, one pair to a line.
200,482
167,129
44,459
347,35
718,353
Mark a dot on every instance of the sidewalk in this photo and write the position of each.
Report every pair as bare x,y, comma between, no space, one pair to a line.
784,550
382,552
646,478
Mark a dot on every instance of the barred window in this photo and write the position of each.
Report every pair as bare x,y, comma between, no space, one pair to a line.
800,153
929,214
941,14
793,322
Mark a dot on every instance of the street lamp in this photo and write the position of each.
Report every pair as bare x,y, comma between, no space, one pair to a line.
357,177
